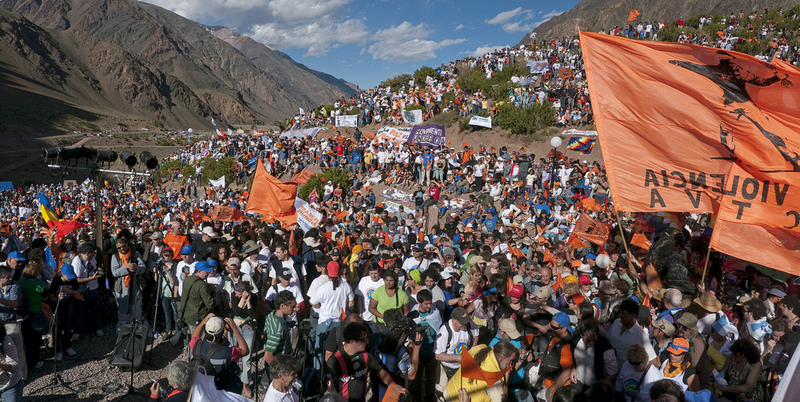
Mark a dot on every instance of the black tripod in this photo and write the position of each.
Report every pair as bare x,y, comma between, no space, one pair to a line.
132,340
308,344
54,330
160,274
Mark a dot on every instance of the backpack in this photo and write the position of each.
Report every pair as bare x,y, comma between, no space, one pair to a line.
450,336
204,361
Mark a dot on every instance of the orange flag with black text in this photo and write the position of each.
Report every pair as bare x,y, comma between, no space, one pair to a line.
591,230
471,369
698,129
272,198
632,15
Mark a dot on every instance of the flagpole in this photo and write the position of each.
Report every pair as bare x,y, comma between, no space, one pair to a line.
624,241
705,266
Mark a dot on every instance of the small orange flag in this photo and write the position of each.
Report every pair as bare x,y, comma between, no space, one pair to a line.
640,240
464,144
522,149
576,242
559,282
548,256
591,230
632,15
471,369
449,143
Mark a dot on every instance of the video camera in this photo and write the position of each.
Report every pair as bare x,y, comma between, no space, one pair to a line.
399,328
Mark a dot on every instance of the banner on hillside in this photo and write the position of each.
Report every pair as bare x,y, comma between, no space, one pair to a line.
564,73
412,116
538,67
427,136
346,121
739,149
224,213
394,135
219,182
579,133
481,121
303,133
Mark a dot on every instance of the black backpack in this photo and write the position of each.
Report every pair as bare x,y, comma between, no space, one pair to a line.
204,361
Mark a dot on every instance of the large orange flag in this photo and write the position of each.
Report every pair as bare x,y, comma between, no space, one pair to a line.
697,129
471,369
272,198
632,16
591,230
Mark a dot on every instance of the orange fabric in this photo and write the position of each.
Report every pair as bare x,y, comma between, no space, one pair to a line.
176,243
640,240
591,230
124,260
225,214
559,282
632,15
471,369
576,242
272,198
302,177
735,118
565,359
548,256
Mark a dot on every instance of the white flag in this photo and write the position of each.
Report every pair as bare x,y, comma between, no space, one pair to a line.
230,132
219,182
214,123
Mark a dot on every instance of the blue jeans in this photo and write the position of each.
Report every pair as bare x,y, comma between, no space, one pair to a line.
322,328
249,335
13,394
170,307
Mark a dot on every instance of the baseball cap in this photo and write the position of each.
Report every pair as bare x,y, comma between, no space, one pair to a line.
215,325
332,268
460,314
17,255
286,273
203,266
68,270
678,346
543,292
187,249
516,291
562,319
584,280
508,326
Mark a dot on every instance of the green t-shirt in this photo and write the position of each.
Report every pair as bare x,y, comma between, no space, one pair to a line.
386,303
32,294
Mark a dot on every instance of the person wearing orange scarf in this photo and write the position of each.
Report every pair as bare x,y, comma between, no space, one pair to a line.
127,266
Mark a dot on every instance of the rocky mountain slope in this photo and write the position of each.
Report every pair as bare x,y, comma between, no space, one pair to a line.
122,63
593,15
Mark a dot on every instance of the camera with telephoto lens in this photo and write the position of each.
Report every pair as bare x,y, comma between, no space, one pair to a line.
399,328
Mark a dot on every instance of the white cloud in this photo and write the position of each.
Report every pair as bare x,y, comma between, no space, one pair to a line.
317,37
459,27
294,11
545,18
506,16
513,27
407,42
483,50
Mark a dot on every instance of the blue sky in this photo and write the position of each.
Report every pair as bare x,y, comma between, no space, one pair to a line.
366,42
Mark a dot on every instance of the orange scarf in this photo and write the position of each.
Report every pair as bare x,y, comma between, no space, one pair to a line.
125,259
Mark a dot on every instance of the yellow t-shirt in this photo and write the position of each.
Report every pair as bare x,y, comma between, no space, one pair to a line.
479,390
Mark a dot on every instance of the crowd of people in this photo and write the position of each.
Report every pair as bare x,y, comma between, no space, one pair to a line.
468,250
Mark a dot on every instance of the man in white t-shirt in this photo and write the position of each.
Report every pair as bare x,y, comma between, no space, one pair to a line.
283,370
417,260
332,299
185,268
455,336
364,290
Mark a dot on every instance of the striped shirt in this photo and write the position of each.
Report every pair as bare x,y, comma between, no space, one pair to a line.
278,341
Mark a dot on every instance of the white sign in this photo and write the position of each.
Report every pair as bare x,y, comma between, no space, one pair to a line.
307,217
394,135
219,182
412,116
346,120
481,121
579,133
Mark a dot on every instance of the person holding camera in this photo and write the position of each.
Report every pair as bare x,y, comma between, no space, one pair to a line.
198,298
88,273
277,329
164,270
128,267
180,375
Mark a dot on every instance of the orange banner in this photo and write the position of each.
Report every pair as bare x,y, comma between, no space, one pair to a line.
226,214
302,177
272,198
632,16
591,230
697,129
471,369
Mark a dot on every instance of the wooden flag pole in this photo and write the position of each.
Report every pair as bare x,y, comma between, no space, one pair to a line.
705,266
624,242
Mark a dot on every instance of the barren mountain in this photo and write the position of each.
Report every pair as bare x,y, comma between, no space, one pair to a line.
593,15
120,63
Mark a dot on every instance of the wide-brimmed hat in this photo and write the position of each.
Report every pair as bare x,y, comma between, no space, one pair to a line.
251,246
688,320
708,302
665,326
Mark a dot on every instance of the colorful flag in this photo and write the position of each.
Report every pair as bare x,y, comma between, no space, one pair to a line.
632,16
272,198
739,152
471,369
591,230
584,145
46,210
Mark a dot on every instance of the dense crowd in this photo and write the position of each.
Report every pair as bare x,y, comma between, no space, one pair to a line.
467,250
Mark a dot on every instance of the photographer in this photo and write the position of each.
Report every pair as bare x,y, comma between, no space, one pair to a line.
87,273
128,267
180,375
222,357
164,270
246,307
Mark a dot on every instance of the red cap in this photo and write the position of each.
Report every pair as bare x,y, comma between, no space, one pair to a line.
333,269
516,291
585,280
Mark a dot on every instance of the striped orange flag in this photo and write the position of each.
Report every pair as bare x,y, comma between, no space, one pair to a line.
739,153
